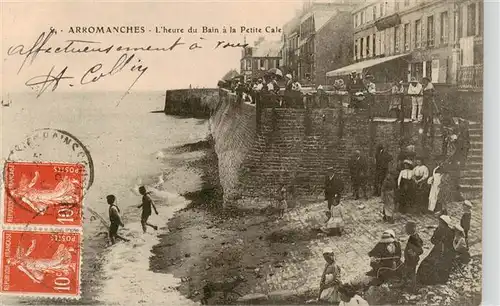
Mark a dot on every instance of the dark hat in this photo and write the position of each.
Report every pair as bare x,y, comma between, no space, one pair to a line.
426,78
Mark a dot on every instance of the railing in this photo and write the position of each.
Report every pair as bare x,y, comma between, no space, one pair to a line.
470,77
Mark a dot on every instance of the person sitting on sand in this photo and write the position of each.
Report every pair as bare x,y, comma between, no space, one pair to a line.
146,205
115,219
330,280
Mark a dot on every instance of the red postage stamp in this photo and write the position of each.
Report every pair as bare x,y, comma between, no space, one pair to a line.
43,193
41,263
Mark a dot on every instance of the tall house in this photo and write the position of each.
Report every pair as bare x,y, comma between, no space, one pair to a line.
469,40
259,58
400,39
317,39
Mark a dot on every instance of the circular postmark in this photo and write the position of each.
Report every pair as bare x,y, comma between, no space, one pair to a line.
54,145
46,177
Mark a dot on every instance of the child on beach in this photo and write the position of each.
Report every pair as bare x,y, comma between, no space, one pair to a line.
115,220
282,203
146,205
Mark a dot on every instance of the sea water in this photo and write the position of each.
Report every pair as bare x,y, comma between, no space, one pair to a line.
127,143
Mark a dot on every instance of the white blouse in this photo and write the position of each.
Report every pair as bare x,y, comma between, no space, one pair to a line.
405,174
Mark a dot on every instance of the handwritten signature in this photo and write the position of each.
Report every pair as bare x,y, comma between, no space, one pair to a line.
51,80
127,61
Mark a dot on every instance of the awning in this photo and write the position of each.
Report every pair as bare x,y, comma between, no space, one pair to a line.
358,67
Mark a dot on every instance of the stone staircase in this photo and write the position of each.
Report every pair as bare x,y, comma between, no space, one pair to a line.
471,178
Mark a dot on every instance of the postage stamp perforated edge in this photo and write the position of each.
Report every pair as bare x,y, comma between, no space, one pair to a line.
46,229
4,193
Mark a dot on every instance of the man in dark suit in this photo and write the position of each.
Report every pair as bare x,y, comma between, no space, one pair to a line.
357,169
333,187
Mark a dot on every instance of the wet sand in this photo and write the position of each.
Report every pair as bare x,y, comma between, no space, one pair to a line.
206,243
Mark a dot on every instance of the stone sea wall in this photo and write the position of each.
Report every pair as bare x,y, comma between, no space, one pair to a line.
292,147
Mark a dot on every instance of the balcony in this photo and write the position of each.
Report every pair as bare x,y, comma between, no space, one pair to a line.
388,22
470,77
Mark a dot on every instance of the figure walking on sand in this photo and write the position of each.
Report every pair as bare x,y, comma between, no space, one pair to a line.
115,220
146,205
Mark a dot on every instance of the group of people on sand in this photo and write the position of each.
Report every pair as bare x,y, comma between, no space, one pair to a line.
408,187
116,220
386,260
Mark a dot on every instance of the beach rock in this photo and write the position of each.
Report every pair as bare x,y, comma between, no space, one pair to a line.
187,255
204,236
253,297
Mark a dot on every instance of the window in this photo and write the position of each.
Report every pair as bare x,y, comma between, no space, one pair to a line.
249,64
444,28
407,3
418,33
397,35
355,20
406,35
471,19
428,69
362,17
382,9
374,12
374,43
356,49
368,46
261,63
396,6
460,23
478,54
430,31
361,55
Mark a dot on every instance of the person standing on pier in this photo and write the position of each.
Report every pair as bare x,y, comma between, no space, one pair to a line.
146,205
415,91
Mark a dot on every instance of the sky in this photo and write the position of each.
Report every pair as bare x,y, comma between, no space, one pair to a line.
24,22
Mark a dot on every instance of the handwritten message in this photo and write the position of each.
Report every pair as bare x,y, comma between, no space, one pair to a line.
127,58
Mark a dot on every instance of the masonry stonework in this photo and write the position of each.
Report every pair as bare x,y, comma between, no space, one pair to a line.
293,147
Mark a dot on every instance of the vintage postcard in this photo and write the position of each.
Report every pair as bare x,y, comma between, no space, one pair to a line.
242,152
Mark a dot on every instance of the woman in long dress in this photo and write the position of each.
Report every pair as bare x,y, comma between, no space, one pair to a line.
330,279
421,174
406,186
436,267
435,182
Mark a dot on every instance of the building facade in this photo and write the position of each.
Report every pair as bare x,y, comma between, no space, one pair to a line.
261,57
436,38
317,40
